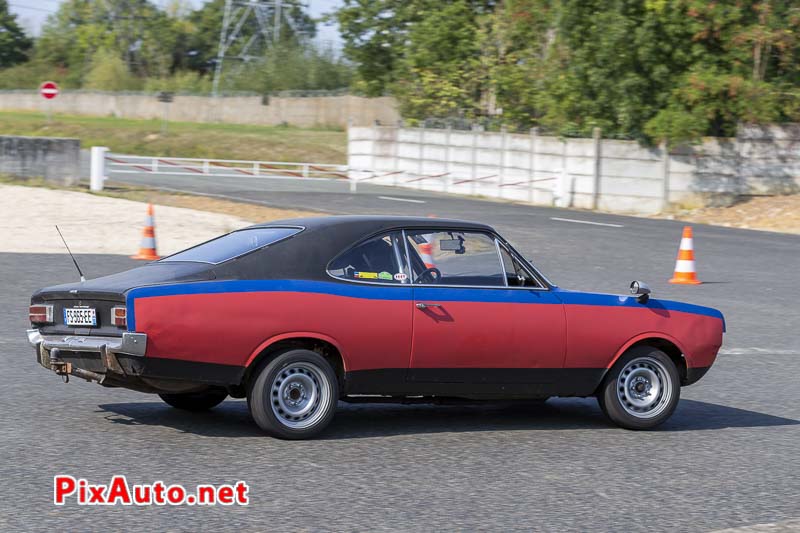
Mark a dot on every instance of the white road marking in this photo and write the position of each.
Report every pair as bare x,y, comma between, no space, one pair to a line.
757,351
793,524
587,222
401,199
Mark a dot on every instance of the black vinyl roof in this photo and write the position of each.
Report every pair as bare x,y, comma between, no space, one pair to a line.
307,254
304,255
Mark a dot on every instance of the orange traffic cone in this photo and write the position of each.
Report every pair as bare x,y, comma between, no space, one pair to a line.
685,271
147,250
426,254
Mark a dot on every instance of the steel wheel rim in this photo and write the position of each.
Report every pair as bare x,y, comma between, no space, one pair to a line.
644,388
298,395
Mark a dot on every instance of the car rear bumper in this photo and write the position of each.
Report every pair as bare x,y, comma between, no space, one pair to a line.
85,356
130,343
121,362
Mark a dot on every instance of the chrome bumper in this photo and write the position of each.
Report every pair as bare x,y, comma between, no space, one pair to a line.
129,343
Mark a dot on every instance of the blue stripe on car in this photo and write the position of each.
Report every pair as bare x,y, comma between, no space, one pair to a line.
403,292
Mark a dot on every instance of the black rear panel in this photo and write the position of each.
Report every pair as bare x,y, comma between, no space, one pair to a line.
106,292
102,308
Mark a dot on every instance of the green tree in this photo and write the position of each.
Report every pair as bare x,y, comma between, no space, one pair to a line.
440,72
644,69
374,34
139,33
613,65
109,73
289,66
745,67
516,42
14,44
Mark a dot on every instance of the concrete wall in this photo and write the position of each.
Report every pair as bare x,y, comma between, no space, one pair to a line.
612,175
49,157
327,111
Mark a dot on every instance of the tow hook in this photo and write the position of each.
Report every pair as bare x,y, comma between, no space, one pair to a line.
61,368
65,369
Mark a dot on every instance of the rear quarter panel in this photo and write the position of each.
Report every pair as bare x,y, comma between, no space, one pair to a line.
227,322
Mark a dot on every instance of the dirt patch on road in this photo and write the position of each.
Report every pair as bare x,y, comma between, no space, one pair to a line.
770,213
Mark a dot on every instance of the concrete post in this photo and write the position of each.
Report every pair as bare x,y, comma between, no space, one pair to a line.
562,184
448,179
421,156
596,135
97,173
165,118
474,159
532,164
503,162
351,174
665,174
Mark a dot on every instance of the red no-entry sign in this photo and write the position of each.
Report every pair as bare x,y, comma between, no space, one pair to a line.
48,89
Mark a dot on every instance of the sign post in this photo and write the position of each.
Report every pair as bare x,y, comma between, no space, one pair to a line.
165,98
49,90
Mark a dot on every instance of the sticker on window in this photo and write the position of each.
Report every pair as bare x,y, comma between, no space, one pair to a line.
385,275
365,275
401,276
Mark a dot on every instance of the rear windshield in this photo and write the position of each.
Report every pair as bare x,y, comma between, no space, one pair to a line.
233,245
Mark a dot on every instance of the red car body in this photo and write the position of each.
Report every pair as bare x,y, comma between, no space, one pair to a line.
211,324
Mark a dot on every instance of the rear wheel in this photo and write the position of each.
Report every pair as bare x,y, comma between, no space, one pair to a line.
294,395
196,401
641,390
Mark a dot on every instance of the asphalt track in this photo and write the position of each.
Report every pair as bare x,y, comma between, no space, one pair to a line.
727,458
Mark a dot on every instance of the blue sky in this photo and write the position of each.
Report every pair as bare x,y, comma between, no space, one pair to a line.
32,14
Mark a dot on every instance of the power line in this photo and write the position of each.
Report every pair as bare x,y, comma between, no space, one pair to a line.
267,15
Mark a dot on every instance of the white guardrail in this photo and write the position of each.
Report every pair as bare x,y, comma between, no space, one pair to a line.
105,165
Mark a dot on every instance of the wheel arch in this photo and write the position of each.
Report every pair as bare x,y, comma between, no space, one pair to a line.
666,343
322,344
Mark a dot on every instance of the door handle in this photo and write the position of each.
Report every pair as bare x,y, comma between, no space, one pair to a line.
421,305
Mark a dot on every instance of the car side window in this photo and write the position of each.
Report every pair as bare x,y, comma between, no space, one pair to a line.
454,258
516,275
379,259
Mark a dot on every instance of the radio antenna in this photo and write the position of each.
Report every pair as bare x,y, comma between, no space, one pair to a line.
70,254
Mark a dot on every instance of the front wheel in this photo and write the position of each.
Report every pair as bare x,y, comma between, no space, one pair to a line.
294,395
196,401
641,390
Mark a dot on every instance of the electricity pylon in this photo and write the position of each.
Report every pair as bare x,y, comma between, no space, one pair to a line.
269,16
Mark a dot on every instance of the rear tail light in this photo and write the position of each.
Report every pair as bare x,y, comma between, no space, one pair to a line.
119,316
41,314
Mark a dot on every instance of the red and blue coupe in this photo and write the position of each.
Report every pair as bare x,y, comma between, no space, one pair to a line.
300,314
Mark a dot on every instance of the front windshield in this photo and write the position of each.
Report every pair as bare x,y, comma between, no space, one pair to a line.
232,245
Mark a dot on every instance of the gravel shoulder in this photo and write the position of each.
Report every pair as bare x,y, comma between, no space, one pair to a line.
103,224
768,213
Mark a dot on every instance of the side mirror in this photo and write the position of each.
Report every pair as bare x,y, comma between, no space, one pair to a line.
641,290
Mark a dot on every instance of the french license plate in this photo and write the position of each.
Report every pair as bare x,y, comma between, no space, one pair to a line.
80,316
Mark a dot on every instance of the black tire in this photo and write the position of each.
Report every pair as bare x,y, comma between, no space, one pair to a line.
196,401
294,395
641,390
